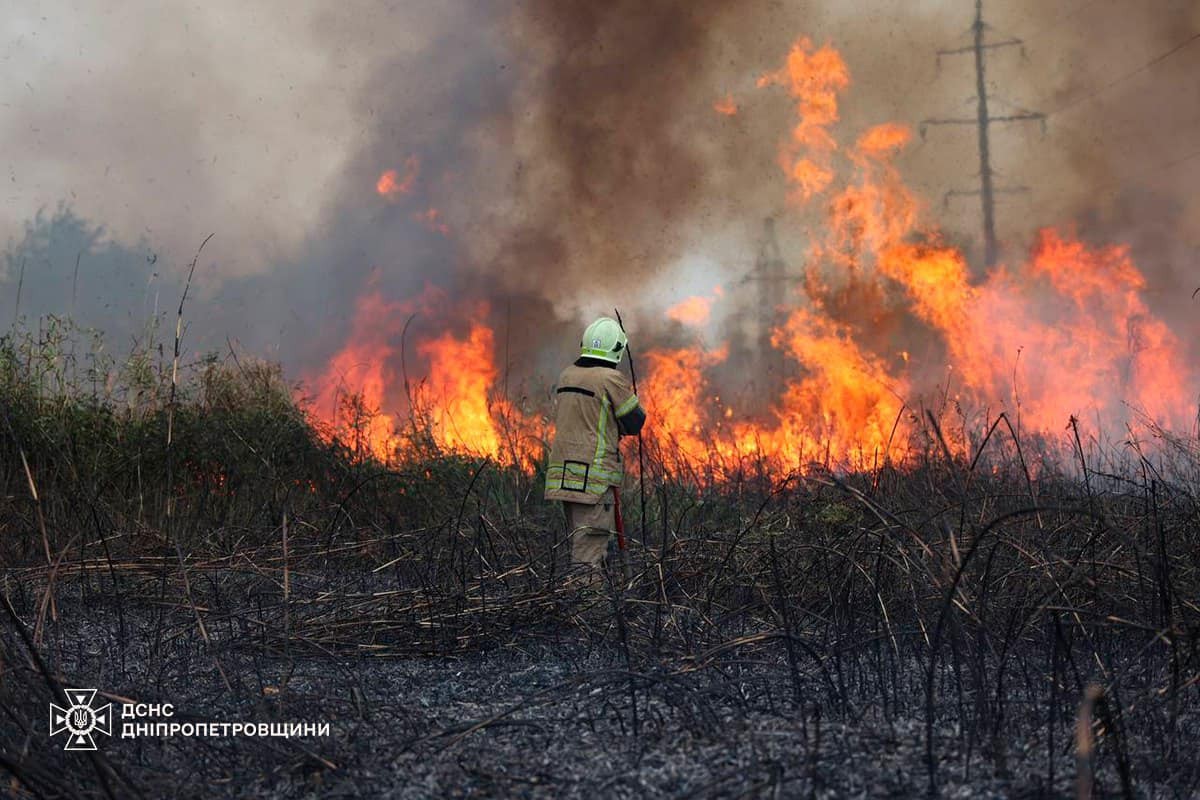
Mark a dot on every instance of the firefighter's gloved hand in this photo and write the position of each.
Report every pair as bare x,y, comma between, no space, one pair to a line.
630,424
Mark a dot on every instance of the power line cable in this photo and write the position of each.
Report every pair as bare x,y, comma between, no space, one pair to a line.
1179,161
1119,80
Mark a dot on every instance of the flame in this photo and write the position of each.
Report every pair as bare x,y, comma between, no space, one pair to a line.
353,391
1063,335
677,382
843,411
391,186
814,77
450,401
461,374
726,106
845,407
458,393
693,311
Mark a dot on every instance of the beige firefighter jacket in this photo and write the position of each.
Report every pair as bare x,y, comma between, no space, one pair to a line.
585,459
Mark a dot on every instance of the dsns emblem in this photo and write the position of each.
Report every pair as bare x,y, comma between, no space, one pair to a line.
80,719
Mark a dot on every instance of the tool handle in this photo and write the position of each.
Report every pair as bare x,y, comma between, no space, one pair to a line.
620,519
632,372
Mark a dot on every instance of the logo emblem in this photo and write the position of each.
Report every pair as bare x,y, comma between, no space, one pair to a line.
81,719
596,343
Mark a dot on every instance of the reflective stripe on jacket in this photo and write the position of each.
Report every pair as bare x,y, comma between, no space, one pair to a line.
585,459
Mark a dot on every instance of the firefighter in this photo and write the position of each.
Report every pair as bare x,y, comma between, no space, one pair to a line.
595,406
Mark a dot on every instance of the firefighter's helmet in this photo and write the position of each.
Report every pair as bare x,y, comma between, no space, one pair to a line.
605,340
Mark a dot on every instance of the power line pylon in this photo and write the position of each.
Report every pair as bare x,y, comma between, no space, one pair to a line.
983,121
771,274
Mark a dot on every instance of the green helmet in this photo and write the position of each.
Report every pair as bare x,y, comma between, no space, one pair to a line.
605,340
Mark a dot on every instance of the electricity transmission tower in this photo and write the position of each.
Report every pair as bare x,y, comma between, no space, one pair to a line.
983,121
771,274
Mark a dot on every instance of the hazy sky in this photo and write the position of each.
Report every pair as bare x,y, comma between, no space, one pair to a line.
171,120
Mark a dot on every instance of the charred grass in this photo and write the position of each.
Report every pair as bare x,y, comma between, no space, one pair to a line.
934,628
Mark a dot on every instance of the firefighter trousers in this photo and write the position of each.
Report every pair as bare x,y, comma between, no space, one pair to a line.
591,526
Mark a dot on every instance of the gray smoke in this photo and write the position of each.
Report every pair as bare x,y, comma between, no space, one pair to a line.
570,147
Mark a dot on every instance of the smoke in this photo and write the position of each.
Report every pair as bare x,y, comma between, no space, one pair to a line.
570,149
611,139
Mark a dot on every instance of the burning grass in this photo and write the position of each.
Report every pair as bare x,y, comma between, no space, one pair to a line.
931,625
878,320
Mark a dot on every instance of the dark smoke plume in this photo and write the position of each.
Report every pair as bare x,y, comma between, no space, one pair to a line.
619,156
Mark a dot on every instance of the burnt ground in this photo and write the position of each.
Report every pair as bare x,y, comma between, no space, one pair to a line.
924,627
564,702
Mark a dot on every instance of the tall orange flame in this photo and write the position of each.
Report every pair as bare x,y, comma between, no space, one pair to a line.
814,77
